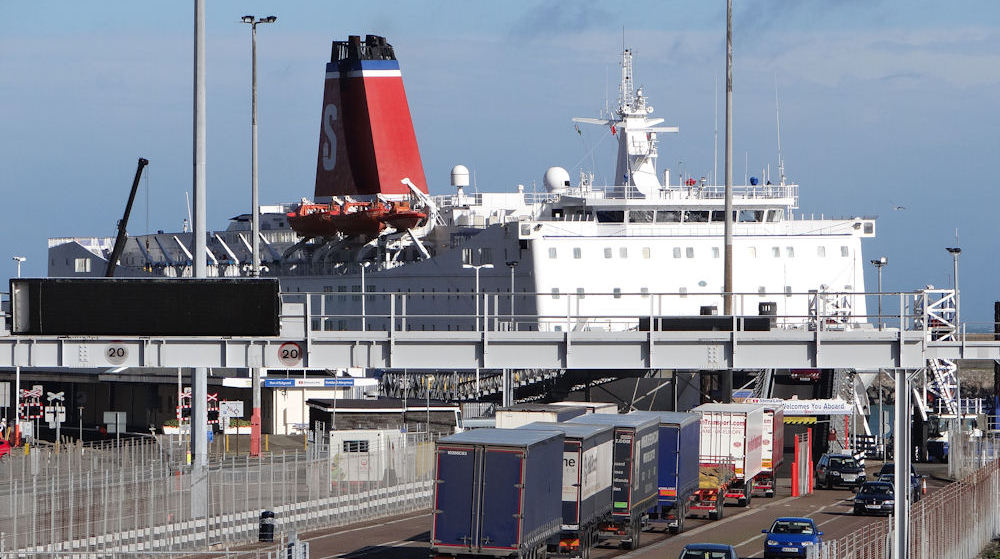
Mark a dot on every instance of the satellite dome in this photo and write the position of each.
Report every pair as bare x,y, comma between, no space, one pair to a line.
556,179
459,176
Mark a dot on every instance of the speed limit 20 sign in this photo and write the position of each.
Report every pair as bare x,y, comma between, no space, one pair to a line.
290,354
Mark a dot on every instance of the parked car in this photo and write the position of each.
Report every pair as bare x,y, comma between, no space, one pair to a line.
875,497
890,468
4,448
914,485
791,537
708,551
839,470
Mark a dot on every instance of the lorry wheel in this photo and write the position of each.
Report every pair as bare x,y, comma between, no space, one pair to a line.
713,515
636,533
741,502
769,493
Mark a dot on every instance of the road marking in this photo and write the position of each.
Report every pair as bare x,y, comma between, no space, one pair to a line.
817,511
367,549
331,534
703,528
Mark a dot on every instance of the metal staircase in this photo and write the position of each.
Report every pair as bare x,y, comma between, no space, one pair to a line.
935,310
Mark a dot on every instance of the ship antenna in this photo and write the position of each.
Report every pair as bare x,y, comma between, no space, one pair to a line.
777,118
188,200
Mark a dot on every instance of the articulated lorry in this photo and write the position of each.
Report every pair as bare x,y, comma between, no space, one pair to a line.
586,484
730,454
677,467
634,474
497,493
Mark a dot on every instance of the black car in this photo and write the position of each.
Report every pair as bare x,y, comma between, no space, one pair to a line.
874,497
839,470
914,485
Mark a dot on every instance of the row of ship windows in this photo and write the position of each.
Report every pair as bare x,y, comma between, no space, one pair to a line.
688,252
683,292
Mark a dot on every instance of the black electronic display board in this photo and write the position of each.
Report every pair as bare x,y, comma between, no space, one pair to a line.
145,307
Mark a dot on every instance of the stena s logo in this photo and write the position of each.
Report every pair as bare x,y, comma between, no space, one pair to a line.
328,149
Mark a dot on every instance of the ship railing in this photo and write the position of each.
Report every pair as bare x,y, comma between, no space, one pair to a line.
555,311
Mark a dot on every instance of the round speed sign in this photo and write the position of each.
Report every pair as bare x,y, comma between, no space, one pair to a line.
290,354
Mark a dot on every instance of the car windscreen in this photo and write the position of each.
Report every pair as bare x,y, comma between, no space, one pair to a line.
875,489
791,527
843,463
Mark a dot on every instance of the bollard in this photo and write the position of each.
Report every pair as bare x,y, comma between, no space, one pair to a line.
266,529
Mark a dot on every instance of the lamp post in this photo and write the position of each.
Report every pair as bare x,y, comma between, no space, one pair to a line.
477,268
879,263
364,322
955,251
427,393
19,260
512,264
252,21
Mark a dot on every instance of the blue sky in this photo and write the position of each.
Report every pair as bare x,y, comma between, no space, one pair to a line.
883,104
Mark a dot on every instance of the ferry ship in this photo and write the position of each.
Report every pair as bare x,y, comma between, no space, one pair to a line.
578,256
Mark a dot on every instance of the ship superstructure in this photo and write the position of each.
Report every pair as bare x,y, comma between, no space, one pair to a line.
577,256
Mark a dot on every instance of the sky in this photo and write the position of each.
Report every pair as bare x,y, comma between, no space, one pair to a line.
887,108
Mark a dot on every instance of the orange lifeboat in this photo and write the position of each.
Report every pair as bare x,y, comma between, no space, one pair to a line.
313,220
402,217
361,218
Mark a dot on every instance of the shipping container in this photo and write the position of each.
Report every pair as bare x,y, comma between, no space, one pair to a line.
634,474
732,438
586,483
497,492
517,415
772,447
678,466
592,407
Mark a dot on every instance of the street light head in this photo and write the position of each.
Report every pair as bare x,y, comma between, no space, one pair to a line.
19,259
247,19
270,19
487,266
954,250
467,266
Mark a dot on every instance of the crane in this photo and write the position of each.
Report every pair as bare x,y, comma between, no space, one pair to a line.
116,252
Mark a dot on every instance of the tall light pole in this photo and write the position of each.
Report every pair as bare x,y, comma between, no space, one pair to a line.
252,21
955,251
879,263
19,260
512,264
477,268
364,322
255,219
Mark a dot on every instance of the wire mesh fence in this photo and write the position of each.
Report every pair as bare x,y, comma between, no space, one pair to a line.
957,521
135,498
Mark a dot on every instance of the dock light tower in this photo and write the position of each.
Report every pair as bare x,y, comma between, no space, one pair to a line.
879,263
19,260
252,21
955,251
477,268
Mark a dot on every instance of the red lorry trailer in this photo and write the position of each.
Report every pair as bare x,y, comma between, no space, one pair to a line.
729,455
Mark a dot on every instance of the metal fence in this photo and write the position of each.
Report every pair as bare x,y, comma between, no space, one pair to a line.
135,499
957,521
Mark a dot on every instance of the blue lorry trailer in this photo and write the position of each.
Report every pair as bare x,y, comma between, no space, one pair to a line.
678,467
497,493
634,483
586,484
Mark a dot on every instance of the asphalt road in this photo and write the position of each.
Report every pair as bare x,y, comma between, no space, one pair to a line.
407,537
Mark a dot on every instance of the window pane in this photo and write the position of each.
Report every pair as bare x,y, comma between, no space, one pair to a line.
645,252
776,251
668,216
555,292
689,252
623,252
677,252
577,253
607,252
579,293
552,252
618,293
640,216
821,251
